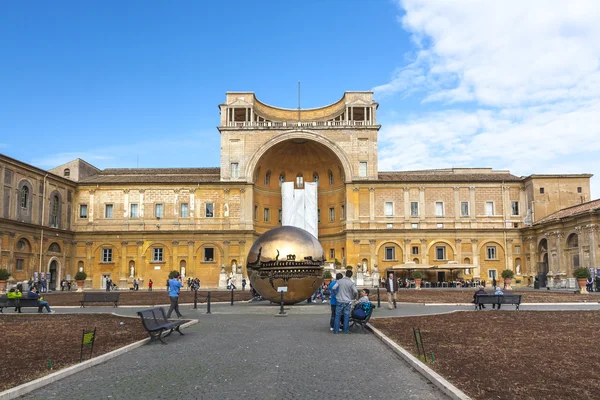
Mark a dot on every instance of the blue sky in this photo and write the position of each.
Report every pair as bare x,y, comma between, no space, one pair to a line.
463,83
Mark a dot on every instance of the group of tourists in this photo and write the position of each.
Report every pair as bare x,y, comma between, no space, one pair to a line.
343,302
16,295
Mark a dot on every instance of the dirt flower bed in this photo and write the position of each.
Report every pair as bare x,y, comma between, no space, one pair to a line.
139,298
507,354
466,296
29,341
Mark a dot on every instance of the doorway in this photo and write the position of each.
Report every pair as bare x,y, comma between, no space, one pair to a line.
441,276
53,271
105,278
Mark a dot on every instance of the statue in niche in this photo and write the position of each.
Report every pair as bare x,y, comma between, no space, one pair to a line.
182,271
131,271
518,269
226,210
80,269
233,268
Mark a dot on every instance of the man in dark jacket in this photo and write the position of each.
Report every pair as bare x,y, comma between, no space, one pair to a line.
480,290
392,287
41,303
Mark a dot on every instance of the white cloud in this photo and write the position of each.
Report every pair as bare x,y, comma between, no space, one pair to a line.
517,85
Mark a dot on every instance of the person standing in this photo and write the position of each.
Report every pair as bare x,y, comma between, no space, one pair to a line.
243,284
333,300
392,288
150,283
108,283
345,293
174,286
136,284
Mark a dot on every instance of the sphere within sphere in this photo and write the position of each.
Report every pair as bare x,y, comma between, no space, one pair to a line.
286,256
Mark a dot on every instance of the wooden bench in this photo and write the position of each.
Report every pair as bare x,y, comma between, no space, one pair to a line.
498,299
105,297
23,302
155,322
361,322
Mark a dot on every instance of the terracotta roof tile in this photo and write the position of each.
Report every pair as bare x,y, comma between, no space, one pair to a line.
590,206
156,175
446,176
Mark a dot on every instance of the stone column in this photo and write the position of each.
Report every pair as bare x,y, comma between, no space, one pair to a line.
242,258
472,208
174,258
407,250
561,267
508,255
371,204
126,203
593,245
141,206
11,247
406,207
458,255
191,262
456,204
533,268
89,268
422,216
226,260
124,270
476,266
139,264
90,208
373,262
424,254
356,204
580,240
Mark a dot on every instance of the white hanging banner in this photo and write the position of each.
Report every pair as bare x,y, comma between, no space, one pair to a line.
299,209
287,204
311,218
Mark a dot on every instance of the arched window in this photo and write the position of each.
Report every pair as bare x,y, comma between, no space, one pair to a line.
316,178
416,260
331,180
54,248
24,196
281,178
67,173
299,181
268,178
54,211
573,241
80,266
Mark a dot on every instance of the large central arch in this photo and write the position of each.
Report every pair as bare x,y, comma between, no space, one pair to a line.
299,134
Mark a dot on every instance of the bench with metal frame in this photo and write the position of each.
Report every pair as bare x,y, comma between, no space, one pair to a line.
5,302
103,297
155,322
361,322
498,299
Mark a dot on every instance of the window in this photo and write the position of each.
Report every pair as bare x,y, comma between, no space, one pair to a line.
133,210
331,180
24,196
108,211
235,170
158,210
299,181
185,210
209,254
440,253
20,264
107,255
316,178
579,189
342,212
266,215
515,224
331,214
389,226
415,250
541,190
255,212
281,178
54,211
362,169
67,173
332,254
489,208
414,226
390,253
83,212
464,208
439,208
209,210
157,255
268,178
414,208
491,253
517,249
492,274
439,225
319,215
576,261
280,216
515,207
389,209
21,245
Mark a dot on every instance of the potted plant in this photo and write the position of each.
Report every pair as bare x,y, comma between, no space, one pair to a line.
4,275
581,274
80,277
508,275
327,277
418,277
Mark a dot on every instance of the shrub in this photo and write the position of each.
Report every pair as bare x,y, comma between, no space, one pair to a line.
337,263
581,273
80,276
507,274
326,275
349,267
417,275
4,275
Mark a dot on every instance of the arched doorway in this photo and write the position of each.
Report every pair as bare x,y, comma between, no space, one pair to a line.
542,265
53,269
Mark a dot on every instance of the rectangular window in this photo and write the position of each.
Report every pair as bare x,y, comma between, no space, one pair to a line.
439,208
414,226
332,254
579,189
389,209
106,255
515,207
541,190
464,208
185,210
266,215
440,253
158,210
83,211
491,253
280,216
389,226
440,225
362,169
235,170
108,211
492,274
209,210
517,249
576,261
343,212
332,214
133,211
20,264
209,254
157,254
489,208
415,250
390,253
414,208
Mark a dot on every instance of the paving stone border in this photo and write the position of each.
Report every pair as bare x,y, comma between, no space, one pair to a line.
446,387
28,387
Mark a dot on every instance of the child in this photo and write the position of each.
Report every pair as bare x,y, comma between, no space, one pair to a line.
363,306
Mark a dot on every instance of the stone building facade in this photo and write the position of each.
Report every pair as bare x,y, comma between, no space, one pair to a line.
143,223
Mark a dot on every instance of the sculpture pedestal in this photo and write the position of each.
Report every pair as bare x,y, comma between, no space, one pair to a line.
375,278
360,280
223,279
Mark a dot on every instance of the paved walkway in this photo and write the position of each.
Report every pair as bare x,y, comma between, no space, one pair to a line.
250,354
